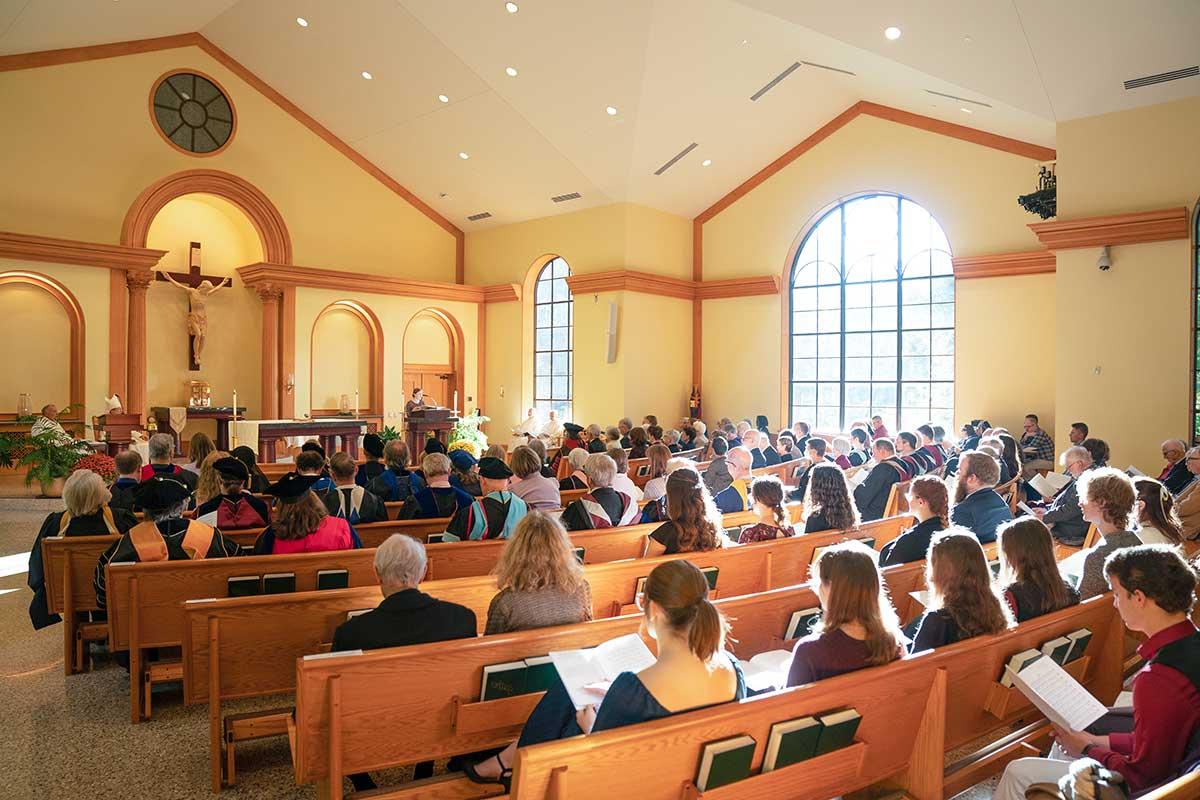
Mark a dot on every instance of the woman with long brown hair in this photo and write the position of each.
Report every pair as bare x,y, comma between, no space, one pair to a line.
693,522
656,487
1028,571
691,671
767,494
963,601
208,486
302,524
638,443
858,626
1157,521
828,503
929,502
198,449
540,580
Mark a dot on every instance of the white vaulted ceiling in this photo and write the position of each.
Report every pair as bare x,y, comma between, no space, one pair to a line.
676,71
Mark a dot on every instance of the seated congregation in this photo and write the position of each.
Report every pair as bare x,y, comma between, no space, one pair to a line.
996,543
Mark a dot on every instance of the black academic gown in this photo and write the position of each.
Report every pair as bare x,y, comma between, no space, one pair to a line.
404,618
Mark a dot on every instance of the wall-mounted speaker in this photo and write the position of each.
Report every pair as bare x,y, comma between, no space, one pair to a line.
611,332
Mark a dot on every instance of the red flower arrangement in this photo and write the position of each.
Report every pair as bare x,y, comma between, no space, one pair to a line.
102,465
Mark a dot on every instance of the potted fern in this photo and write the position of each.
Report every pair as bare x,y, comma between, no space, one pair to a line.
49,462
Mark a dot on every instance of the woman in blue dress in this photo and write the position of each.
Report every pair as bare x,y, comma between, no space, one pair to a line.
692,671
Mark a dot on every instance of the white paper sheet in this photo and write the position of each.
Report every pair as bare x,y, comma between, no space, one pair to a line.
1056,694
586,674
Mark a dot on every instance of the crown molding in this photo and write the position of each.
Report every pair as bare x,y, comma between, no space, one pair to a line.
283,275
1133,228
23,246
665,286
752,286
502,293
997,265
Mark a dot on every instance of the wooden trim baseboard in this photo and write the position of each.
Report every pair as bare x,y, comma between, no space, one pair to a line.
23,246
1135,227
1001,264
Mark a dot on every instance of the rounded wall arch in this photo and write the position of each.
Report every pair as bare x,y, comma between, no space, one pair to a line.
454,335
75,318
272,230
375,362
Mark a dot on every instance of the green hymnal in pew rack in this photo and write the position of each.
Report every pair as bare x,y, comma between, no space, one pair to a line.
1057,649
710,575
503,680
837,730
801,623
724,762
539,674
1079,643
333,579
1018,663
579,551
792,741
435,538
279,583
245,586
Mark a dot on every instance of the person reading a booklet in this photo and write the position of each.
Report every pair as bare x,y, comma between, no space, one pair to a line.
1153,589
858,626
1062,514
692,670
961,602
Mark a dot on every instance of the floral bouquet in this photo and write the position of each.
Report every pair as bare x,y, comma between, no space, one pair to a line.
467,431
102,465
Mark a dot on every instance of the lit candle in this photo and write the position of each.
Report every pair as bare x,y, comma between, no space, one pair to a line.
456,400
235,405
356,402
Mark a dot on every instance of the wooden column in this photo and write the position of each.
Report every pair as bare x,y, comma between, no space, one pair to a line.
138,282
270,296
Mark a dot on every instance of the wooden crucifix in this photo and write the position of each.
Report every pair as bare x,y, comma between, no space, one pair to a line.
199,287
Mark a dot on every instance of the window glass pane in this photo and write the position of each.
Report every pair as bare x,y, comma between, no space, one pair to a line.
829,345
883,396
916,343
804,299
829,297
542,316
884,319
883,344
804,347
858,319
829,321
942,290
559,367
883,368
806,274
858,295
541,363
884,293
858,394
941,395
858,369
804,369
542,339
804,322
543,294
916,291
942,368
858,344
804,394
941,263
560,386
561,340
827,418
915,394
915,368
560,289
916,316
827,273
829,369
942,343
560,314
942,315
542,386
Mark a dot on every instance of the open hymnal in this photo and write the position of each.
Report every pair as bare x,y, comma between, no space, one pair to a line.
1056,694
1071,567
767,670
587,674
1026,509
208,519
1134,472
1048,485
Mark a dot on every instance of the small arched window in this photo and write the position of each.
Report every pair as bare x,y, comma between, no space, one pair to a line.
553,340
872,318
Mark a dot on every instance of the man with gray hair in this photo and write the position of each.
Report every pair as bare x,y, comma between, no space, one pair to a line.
1187,504
624,426
1063,515
1175,476
602,506
159,449
406,616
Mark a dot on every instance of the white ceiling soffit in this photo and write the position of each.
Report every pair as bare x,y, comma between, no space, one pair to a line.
675,71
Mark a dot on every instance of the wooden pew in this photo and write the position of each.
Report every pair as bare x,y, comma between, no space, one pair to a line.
448,716
69,564
897,502
1185,787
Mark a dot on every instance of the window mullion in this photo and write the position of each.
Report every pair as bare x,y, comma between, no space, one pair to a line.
899,315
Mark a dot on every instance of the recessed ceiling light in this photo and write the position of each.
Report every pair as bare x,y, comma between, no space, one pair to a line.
706,162
892,33
302,22
512,7
966,111
511,71
967,40
367,75
443,98
463,156
612,112
745,41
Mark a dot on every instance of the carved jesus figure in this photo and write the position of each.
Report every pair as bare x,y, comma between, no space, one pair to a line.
197,318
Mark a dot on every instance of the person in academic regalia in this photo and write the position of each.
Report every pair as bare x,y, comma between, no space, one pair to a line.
302,524
572,437
860,452
235,507
373,466
159,448
552,433
396,482
603,506
464,472
436,497
88,513
311,460
347,499
494,515
578,478
594,438
871,495
750,440
129,475
165,535
258,481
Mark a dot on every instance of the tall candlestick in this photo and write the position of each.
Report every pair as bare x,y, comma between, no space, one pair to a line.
356,403
235,439
456,400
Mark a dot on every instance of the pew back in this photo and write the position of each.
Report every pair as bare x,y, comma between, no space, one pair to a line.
69,564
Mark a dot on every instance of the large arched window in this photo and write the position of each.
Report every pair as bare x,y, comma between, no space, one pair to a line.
872,318
553,340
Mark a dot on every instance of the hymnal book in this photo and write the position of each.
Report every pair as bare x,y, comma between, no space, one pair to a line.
710,575
1079,643
503,680
1049,484
801,624
1134,472
358,613
333,579
767,670
208,519
858,477
837,730
640,588
579,552
333,654
868,541
245,586
922,596
539,673
724,762
791,742
435,538
994,566
1022,507
1071,567
1057,695
587,674
817,553
1018,663
1057,649
279,583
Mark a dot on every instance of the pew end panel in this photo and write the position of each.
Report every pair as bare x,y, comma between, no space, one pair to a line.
69,565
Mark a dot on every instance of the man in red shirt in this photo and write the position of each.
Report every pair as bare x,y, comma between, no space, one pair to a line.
1153,589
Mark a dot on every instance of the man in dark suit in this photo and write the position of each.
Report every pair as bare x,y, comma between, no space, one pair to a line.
919,462
871,495
977,506
406,616
1175,476
348,500
1063,515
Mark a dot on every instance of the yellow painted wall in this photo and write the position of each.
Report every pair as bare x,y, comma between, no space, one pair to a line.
394,314
344,366
656,339
503,401
971,192
38,335
232,355
90,288
656,241
62,183
425,342
600,386
1133,320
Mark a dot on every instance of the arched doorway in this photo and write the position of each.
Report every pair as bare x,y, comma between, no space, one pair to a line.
433,357
346,355
41,310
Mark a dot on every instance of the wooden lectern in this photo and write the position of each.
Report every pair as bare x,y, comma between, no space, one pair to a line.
419,424
116,430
